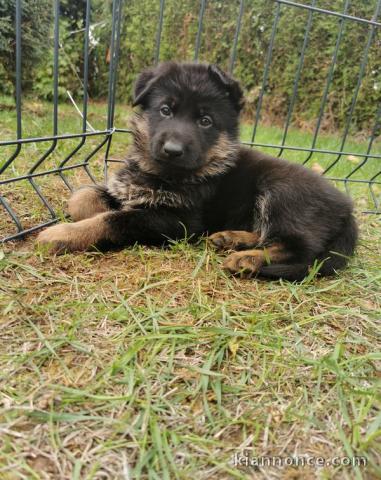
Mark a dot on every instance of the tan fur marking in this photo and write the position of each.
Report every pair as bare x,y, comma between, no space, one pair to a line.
261,223
131,195
141,146
220,157
140,129
85,203
70,237
249,262
233,239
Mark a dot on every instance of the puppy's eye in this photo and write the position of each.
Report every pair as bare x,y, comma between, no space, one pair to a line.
165,111
205,121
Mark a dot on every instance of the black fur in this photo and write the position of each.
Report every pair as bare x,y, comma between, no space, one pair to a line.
185,175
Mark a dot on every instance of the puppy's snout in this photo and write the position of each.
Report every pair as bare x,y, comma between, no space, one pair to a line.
173,149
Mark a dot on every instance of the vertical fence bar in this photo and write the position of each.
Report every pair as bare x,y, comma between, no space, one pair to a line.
358,85
116,55
111,68
199,30
110,87
159,30
329,80
3,201
236,36
18,86
55,86
373,136
266,70
55,107
297,77
85,94
56,64
85,90
86,66
373,193
115,47
18,68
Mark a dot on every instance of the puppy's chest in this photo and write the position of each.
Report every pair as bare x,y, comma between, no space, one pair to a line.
131,194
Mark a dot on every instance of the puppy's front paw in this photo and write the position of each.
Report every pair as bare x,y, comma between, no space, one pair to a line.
70,237
233,239
59,238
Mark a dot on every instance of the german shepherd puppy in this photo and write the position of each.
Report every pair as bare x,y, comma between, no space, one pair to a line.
187,175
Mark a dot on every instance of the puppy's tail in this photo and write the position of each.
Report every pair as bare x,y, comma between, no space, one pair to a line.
334,258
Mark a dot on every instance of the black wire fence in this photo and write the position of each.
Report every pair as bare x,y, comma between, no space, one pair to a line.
39,169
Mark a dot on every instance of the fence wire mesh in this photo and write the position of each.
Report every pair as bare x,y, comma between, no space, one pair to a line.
37,172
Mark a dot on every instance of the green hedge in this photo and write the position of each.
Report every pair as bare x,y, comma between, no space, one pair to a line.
178,40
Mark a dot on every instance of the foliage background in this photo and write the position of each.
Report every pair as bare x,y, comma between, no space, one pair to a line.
138,42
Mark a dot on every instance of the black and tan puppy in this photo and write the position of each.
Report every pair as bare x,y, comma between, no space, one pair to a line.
187,174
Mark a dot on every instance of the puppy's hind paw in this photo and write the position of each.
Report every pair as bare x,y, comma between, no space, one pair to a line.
246,263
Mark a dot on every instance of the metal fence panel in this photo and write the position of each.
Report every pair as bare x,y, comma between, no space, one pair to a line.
92,142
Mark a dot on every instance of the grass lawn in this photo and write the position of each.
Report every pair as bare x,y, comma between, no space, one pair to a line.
154,364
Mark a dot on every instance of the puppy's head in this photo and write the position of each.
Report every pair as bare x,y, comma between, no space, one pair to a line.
192,113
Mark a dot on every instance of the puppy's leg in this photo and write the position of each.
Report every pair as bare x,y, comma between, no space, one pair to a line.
115,227
234,239
89,201
81,235
249,262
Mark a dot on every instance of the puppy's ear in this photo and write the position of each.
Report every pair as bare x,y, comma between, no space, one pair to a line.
231,86
143,86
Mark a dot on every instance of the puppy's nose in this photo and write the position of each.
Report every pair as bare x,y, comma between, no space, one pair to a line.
173,149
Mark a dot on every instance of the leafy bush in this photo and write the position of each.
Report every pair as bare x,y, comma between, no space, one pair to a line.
138,50
36,18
